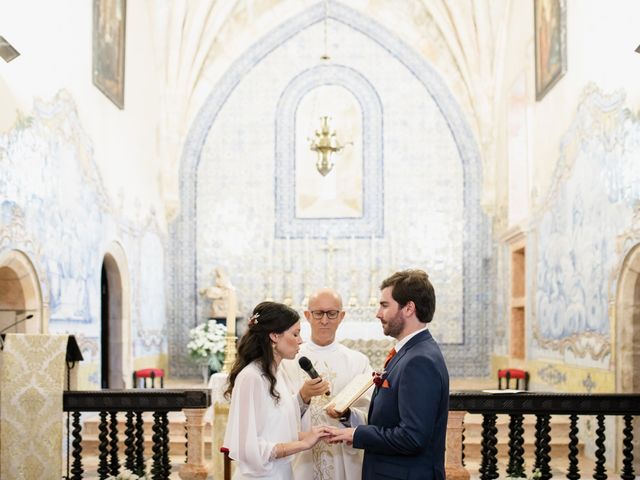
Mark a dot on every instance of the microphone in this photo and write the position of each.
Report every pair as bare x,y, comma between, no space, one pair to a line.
24,319
307,366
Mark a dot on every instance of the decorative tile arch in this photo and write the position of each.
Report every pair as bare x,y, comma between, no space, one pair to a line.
470,357
371,223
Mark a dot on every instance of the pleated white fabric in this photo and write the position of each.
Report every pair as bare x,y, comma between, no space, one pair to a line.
257,423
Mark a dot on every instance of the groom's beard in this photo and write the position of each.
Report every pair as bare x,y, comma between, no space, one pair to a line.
394,326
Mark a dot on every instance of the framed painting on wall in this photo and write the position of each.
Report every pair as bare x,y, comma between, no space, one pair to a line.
550,17
109,18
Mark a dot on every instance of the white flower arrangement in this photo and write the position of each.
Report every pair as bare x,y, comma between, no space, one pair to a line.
207,344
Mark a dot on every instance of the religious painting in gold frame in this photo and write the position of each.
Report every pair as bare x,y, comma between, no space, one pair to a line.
109,19
550,18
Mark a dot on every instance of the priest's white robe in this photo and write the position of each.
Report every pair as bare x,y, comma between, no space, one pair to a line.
337,364
257,423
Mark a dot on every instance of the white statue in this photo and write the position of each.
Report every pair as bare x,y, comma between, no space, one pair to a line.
222,295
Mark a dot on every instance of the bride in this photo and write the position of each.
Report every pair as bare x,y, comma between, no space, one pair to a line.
263,430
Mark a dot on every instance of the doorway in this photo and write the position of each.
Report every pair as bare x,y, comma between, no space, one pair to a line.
114,342
627,358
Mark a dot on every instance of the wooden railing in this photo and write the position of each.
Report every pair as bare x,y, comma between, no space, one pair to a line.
543,406
108,403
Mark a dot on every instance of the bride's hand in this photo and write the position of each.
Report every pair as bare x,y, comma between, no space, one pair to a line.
310,438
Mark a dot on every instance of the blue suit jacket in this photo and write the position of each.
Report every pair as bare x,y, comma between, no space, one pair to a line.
405,437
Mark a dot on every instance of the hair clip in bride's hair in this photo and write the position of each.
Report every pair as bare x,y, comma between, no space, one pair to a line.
253,319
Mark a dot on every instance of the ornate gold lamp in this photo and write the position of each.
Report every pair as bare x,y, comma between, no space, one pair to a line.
325,144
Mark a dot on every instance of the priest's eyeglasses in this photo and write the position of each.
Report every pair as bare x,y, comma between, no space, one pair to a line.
331,314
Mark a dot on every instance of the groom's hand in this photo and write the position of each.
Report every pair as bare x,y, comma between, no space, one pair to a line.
339,435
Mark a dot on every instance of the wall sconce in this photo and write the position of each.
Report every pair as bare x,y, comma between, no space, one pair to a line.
7,51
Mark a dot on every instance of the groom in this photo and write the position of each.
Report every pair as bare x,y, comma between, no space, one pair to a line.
405,435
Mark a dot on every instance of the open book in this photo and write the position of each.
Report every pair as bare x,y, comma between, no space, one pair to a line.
352,392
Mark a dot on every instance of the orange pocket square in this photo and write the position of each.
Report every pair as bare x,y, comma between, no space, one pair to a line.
385,384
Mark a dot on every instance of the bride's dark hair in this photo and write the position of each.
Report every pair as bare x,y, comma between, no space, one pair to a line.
255,344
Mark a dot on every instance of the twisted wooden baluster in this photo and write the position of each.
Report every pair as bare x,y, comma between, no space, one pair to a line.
573,472
627,451
515,468
186,443
114,464
76,469
600,471
129,440
165,445
157,469
543,448
462,450
489,464
103,453
139,445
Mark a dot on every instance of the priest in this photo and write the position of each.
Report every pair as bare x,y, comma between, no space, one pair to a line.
336,365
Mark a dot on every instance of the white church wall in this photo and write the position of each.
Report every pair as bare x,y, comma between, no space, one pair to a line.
77,173
601,39
580,139
235,216
55,43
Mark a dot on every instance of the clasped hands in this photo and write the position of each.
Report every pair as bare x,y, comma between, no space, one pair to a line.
328,434
315,387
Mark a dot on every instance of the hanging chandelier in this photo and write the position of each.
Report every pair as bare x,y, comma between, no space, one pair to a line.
326,145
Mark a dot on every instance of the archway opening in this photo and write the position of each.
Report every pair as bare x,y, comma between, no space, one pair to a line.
628,337
12,305
111,330
20,296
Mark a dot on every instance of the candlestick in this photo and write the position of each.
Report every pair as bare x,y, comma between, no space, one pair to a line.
287,254
231,311
352,251
371,254
392,261
230,347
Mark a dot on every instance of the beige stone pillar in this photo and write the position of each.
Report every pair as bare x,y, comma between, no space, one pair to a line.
195,468
453,460
220,417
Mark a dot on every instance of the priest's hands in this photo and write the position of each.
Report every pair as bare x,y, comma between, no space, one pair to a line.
339,435
313,387
331,411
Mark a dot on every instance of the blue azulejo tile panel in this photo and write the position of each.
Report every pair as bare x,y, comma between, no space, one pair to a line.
420,184
594,192
370,223
54,209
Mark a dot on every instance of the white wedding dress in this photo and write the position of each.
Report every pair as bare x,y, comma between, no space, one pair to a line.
257,423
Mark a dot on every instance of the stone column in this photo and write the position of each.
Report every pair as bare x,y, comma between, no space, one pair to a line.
453,460
194,469
220,417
